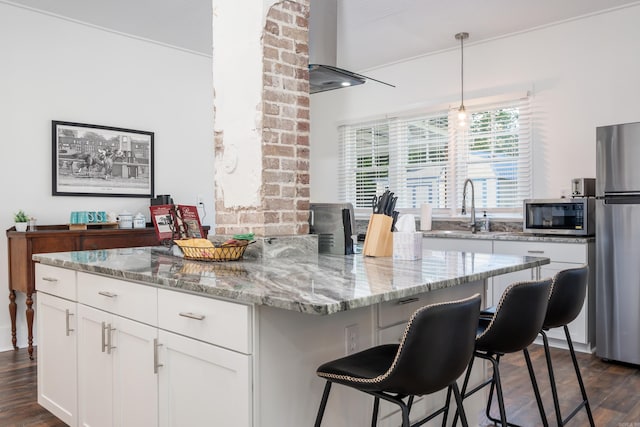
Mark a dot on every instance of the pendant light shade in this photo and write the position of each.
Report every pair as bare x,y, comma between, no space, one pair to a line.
463,118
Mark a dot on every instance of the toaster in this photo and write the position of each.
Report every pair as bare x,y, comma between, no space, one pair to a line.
583,187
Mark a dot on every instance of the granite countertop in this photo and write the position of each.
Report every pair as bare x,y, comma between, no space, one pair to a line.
320,284
506,235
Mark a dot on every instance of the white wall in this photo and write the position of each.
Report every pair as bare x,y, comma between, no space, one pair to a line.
582,74
54,69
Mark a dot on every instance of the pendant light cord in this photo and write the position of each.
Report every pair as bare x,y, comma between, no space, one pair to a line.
462,70
462,37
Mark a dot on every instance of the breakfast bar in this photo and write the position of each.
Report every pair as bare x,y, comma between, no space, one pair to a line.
170,341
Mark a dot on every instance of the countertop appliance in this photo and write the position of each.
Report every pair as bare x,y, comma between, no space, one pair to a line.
571,217
334,223
618,242
583,187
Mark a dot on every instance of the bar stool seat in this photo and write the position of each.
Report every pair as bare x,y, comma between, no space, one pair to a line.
435,350
517,320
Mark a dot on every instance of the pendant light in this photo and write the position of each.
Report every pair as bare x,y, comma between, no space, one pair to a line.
463,119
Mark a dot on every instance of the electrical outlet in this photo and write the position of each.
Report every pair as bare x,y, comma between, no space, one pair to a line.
351,339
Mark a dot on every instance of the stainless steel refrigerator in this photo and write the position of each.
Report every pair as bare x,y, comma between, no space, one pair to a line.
618,242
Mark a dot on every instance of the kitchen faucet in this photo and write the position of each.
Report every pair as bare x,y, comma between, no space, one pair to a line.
473,224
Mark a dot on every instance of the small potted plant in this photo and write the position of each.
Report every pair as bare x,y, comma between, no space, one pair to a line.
21,219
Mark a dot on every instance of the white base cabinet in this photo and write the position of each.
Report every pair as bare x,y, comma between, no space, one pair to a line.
563,255
117,382
200,382
57,377
105,358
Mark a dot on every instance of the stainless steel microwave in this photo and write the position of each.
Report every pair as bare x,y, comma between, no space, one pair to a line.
573,217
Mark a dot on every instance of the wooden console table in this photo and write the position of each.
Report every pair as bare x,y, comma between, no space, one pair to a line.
58,238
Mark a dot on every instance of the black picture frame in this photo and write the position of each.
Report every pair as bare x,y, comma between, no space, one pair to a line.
95,160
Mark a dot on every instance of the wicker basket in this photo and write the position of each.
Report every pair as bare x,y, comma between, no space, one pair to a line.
222,253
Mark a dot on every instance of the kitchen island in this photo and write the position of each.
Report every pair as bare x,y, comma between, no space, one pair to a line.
175,342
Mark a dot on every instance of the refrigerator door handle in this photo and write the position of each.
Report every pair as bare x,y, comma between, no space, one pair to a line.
618,199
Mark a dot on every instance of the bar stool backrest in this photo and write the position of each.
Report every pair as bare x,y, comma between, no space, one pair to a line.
518,318
568,292
436,348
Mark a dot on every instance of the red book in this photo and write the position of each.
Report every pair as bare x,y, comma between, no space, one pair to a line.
189,221
165,221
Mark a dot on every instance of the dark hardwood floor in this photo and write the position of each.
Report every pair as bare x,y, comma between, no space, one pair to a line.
613,390
18,392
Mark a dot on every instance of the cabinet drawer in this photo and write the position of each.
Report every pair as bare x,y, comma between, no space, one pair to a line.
561,252
131,300
222,323
56,281
399,311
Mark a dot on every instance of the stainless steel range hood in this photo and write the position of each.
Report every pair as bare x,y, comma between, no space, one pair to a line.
324,75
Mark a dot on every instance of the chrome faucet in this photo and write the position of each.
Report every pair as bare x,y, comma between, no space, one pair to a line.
473,224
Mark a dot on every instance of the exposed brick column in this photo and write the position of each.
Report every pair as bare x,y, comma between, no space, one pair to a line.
283,205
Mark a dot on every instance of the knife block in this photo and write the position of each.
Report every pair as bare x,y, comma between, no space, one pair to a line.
379,240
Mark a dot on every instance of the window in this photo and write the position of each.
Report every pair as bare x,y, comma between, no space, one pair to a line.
424,159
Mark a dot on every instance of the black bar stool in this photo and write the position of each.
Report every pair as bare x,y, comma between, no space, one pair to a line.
435,350
566,300
517,320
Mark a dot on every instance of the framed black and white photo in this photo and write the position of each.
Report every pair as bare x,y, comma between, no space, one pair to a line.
93,160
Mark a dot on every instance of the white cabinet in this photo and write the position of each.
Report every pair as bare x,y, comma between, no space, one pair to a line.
117,381
204,351
57,379
107,358
562,256
201,383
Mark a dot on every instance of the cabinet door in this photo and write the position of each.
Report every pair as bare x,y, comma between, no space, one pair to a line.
135,393
57,378
202,384
95,371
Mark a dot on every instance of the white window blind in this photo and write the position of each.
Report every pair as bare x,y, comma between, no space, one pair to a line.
495,154
424,159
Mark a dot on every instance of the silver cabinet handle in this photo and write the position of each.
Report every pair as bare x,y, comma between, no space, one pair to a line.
192,315
407,301
67,314
50,279
535,252
104,333
109,338
156,365
107,294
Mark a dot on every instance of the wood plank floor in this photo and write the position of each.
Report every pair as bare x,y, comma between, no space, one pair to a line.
613,390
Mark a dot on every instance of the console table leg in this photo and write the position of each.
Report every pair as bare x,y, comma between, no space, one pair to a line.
12,313
30,325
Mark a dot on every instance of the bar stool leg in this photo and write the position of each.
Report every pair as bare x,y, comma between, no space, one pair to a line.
554,389
465,383
536,390
376,406
496,381
323,403
460,410
552,379
583,391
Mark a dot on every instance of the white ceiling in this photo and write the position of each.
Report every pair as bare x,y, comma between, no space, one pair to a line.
371,32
